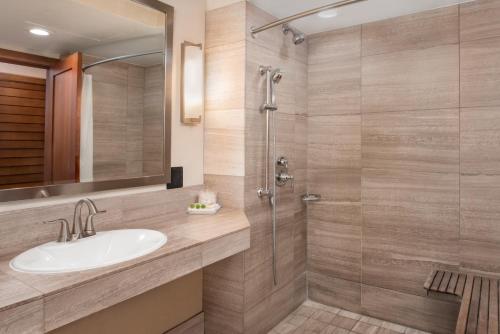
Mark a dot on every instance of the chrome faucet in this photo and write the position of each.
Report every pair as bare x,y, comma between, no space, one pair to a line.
80,231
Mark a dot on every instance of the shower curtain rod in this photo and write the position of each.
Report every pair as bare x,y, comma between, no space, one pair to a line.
303,14
84,68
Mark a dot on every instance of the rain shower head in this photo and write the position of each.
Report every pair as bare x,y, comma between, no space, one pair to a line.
297,38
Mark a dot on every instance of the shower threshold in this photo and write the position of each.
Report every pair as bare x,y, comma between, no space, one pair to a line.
312,317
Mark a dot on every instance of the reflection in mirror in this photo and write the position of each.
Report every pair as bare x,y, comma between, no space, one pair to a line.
81,91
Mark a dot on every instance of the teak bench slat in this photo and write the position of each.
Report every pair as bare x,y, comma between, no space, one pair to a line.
479,299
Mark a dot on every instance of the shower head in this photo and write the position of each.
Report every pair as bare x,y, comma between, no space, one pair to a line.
276,75
297,38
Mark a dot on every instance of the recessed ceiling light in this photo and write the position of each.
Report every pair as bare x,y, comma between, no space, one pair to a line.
39,32
326,14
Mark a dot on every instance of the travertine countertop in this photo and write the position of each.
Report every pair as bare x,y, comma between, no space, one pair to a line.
43,302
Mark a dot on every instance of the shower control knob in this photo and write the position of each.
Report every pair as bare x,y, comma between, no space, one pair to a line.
282,179
282,162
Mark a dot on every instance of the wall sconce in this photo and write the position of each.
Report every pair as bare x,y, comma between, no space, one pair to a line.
191,82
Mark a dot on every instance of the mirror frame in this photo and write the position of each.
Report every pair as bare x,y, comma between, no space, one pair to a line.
44,191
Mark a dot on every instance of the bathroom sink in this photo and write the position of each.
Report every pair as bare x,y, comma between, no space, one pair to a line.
103,249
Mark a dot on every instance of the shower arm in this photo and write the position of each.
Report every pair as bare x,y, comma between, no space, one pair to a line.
276,23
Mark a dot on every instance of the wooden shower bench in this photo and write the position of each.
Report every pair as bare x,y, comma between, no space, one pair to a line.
478,298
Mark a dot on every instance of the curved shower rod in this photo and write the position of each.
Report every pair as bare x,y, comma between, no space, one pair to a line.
303,14
104,61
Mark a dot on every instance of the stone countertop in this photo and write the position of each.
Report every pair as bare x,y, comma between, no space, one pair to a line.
193,243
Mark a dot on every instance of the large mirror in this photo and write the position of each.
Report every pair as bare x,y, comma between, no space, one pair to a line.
84,95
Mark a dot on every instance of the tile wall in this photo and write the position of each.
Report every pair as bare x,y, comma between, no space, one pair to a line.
403,121
128,119
239,292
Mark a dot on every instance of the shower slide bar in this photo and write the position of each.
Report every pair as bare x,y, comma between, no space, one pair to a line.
280,22
273,76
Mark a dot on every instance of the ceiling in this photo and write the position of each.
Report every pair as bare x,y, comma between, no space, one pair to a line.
358,13
100,29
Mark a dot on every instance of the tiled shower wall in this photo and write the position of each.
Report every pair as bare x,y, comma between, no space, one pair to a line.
403,123
239,295
128,119
118,102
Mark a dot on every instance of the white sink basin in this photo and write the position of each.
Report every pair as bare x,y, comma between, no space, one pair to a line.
103,249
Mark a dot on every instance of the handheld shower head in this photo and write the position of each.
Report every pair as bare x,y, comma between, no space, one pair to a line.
277,75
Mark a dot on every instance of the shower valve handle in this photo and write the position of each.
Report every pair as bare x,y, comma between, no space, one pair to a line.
282,162
283,178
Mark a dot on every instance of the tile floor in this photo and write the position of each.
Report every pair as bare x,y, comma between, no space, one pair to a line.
312,317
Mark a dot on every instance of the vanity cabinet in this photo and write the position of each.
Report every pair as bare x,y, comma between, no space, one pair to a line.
162,310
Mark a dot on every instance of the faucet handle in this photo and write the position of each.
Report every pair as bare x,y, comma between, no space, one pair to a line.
89,229
282,162
64,233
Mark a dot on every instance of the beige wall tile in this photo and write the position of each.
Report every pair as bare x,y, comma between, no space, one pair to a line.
300,71
223,293
410,224
334,291
340,185
334,246
300,242
480,80
224,152
479,19
225,25
419,312
479,140
412,140
411,80
334,72
479,210
300,142
334,141
259,319
417,31
225,77
229,119
480,257
258,273
341,44
23,229
346,213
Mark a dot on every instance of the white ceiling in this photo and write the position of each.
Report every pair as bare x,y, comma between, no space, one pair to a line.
78,25
350,15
